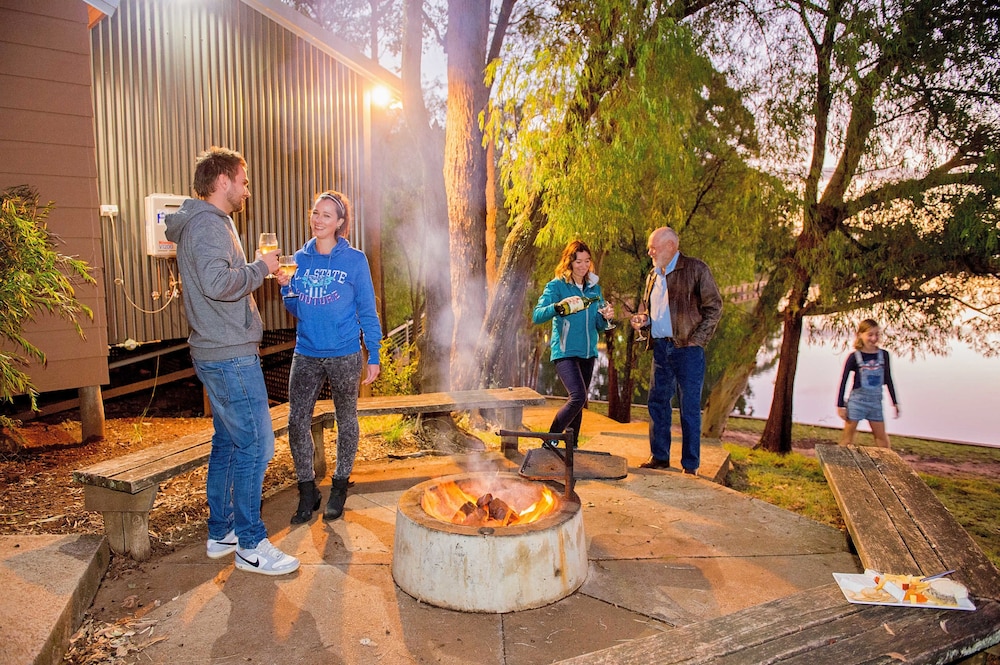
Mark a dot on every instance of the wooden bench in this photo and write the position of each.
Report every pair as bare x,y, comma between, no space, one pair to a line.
123,489
897,525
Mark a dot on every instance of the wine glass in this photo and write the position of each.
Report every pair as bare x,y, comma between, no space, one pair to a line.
608,312
640,320
267,242
287,266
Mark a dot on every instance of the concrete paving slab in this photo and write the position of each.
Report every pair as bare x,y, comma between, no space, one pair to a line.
48,582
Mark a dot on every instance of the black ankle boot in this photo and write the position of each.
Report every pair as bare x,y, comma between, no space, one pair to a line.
338,496
309,500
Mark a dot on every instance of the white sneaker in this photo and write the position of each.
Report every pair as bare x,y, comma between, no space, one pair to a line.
266,559
219,548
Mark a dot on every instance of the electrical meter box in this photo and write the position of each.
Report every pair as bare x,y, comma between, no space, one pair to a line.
158,206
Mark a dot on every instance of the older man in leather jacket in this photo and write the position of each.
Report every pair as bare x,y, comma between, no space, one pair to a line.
681,307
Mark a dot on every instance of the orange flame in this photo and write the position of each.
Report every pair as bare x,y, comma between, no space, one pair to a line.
451,502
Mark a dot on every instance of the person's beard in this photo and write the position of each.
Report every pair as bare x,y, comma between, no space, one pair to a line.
237,204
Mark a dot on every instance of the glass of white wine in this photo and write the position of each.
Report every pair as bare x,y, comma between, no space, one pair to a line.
287,266
267,242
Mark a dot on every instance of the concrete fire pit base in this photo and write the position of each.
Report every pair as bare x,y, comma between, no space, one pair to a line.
474,569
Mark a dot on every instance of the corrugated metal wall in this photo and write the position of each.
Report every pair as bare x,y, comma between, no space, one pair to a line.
173,78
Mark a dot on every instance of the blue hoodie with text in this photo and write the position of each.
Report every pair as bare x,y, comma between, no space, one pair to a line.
334,302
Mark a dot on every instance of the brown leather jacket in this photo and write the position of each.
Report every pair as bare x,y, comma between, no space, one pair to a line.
695,302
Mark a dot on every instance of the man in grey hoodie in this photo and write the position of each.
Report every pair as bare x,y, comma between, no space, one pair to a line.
226,330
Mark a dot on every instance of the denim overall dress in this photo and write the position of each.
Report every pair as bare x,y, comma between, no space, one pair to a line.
865,400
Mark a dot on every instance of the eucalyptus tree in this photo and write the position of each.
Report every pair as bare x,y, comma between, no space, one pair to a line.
884,116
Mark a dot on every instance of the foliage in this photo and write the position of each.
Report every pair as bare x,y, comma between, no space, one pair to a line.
35,277
372,26
398,368
664,142
883,117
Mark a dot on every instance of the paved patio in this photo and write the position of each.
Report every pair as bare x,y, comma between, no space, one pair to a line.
664,550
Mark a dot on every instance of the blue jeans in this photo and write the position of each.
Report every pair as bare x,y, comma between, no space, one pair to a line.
575,374
682,368
242,446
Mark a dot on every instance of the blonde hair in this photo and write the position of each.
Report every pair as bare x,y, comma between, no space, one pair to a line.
564,269
864,327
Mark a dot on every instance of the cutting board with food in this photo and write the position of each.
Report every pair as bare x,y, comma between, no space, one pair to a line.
875,588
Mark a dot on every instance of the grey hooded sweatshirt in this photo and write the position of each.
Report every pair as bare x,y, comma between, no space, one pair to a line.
217,282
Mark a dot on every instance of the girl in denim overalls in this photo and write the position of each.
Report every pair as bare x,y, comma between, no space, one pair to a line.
870,365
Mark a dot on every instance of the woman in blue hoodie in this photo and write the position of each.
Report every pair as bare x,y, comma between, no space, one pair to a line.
574,335
333,297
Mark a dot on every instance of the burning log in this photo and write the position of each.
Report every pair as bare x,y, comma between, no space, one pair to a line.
484,512
499,510
451,503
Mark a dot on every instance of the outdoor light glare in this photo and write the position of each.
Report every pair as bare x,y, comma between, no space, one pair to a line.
381,96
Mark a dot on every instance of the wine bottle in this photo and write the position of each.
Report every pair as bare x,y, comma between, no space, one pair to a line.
575,304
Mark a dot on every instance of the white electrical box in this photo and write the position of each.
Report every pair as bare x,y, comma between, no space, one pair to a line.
158,206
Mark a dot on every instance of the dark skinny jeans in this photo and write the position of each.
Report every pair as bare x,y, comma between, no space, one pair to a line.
575,374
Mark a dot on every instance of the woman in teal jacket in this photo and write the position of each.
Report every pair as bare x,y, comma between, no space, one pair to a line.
574,334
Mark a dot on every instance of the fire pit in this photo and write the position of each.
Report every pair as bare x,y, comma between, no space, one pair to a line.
488,542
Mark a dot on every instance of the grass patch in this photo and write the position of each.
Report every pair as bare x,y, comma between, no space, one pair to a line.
975,505
793,482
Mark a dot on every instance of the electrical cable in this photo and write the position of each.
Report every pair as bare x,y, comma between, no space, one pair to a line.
120,280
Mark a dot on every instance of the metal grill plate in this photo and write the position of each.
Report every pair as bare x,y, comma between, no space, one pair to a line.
544,464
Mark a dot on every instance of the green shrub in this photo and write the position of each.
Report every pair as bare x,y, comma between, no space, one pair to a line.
33,277
399,366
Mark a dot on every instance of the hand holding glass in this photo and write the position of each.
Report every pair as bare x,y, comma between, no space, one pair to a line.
287,265
607,310
266,243
639,322
287,268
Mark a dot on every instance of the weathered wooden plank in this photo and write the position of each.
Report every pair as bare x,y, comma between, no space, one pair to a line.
815,626
924,557
952,544
113,467
878,543
138,471
462,400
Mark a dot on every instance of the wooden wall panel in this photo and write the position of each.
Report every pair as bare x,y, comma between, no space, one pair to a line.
47,141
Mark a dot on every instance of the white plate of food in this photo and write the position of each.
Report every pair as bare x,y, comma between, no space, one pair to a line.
875,588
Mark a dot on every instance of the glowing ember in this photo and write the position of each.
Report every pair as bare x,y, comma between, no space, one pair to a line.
478,505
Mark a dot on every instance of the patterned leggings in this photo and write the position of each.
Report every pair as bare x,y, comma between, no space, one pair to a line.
305,380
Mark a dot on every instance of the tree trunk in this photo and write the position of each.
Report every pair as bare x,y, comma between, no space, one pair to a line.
434,343
465,179
777,435
764,322
722,400
621,385
498,342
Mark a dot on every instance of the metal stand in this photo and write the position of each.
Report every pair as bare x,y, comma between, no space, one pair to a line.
549,440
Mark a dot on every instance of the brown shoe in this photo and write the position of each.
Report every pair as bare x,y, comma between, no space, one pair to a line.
691,472
653,463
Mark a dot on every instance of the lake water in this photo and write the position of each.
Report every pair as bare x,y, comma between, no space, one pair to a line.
952,398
